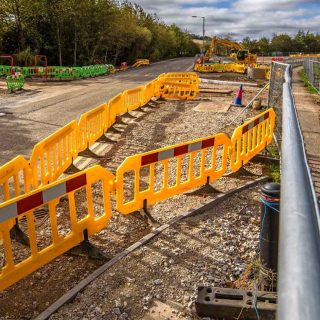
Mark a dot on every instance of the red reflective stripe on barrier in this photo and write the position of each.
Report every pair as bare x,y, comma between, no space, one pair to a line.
245,129
208,143
29,203
149,158
76,183
266,116
256,122
180,150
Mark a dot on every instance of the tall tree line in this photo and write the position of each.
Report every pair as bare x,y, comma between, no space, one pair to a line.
304,42
81,32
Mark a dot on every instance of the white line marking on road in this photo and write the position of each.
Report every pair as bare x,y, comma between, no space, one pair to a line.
190,68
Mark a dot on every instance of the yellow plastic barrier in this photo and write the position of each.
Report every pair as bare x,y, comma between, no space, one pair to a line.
133,98
180,77
15,178
250,138
149,91
53,155
220,67
79,221
304,55
92,126
141,62
163,173
115,109
178,91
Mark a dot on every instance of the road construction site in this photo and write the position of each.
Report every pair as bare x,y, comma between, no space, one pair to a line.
155,126
207,236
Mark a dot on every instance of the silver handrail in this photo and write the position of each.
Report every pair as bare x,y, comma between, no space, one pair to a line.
299,248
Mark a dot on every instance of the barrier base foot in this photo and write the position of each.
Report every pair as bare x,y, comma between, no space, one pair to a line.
129,115
225,303
89,154
17,234
148,216
72,169
88,249
103,138
115,130
119,121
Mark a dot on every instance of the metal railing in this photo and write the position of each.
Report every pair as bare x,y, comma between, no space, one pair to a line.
312,70
275,97
299,243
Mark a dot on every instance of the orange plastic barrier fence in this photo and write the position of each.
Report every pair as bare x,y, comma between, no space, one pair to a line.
115,109
62,235
162,173
178,91
92,126
53,155
250,138
133,98
149,91
15,178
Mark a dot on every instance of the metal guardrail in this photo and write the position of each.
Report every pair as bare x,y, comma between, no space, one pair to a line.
299,249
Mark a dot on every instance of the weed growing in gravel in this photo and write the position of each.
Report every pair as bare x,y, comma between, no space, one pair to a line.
274,172
306,82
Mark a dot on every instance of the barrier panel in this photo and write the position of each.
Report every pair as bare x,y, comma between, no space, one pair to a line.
115,109
15,82
220,67
178,91
53,155
149,91
250,138
92,126
141,62
163,173
133,98
180,77
15,178
62,73
60,235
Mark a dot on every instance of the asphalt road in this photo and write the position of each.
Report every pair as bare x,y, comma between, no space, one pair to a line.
44,107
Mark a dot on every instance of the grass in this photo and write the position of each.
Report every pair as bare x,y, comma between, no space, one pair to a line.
273,151
274,172
306,82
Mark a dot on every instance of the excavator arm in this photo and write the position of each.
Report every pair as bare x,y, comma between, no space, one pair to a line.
222,42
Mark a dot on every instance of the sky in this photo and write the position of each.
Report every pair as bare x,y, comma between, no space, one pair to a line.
238,18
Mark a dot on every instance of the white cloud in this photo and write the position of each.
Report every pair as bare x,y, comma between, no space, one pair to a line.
254,18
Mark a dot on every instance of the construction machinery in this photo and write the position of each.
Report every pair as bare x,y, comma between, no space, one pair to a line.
238,53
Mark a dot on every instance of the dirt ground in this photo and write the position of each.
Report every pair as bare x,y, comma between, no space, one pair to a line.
211,248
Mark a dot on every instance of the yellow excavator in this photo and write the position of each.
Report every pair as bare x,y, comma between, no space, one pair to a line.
238,53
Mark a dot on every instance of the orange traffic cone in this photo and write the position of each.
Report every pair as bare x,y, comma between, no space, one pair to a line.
237,101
